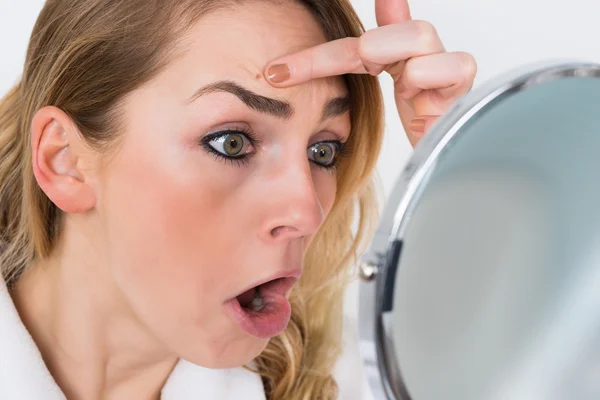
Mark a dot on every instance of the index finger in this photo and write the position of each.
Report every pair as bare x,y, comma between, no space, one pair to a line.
337,57
390,12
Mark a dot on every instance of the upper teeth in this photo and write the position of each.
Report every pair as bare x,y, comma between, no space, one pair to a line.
257,303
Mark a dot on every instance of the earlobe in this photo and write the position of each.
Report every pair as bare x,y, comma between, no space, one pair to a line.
56,157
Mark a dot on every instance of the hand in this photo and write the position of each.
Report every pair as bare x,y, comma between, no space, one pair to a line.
427,79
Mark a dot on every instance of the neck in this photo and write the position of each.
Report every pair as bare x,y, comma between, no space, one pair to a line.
91,341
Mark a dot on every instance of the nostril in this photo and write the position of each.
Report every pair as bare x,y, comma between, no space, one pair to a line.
280,230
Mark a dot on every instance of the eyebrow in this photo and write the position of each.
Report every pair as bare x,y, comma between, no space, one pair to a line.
277,108
336,107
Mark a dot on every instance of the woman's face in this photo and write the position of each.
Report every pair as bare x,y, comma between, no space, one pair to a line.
220,184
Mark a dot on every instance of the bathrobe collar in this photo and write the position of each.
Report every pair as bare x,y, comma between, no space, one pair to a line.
24,376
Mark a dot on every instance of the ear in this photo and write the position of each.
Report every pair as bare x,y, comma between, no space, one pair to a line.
59,155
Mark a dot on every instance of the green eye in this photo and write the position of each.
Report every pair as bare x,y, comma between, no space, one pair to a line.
231,144
323,153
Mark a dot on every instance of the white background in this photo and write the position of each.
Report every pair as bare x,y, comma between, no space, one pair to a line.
501,34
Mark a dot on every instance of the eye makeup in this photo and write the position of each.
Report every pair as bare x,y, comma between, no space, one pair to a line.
238,145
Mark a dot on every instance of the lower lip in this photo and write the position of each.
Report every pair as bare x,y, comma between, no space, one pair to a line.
266,323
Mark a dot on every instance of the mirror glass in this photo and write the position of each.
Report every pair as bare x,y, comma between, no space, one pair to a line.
497,288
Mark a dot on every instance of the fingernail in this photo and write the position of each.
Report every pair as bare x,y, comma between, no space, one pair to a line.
278,73
417,125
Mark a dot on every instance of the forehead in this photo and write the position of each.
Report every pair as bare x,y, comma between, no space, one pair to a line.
237,43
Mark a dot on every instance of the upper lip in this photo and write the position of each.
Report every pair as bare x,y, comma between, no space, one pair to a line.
291,277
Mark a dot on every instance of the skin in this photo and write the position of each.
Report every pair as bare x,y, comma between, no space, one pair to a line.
161,234
427,79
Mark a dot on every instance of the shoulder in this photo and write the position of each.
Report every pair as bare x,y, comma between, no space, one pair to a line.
23,373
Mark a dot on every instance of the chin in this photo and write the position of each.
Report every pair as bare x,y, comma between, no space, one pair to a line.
232,355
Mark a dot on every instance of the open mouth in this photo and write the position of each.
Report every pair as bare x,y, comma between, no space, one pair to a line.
254,298
251,300
263,310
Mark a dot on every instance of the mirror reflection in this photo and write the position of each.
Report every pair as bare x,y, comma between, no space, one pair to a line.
496,292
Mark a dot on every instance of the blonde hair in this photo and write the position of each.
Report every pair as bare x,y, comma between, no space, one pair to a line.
84,56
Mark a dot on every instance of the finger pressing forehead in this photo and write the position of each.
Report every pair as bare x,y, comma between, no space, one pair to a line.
329,59
238,42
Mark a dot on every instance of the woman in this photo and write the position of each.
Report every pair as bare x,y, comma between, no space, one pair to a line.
172,172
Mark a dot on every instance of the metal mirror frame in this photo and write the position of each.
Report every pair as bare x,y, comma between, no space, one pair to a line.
378,266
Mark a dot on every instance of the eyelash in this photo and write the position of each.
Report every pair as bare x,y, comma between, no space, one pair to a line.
341,149
238,161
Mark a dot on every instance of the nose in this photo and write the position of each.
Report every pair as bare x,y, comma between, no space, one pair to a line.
292,206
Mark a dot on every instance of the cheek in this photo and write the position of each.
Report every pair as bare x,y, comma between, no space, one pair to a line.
326,188
171,229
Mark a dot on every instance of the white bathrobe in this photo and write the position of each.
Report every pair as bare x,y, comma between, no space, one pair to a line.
24,376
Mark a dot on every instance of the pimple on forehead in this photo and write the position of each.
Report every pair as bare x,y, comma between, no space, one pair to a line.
246,68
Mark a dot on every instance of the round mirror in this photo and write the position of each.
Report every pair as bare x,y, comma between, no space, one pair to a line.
483,279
